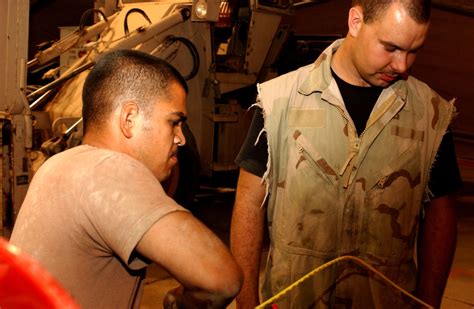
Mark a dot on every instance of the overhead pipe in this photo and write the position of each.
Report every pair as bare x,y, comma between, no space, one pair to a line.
79,37
145,33
467,10
60,80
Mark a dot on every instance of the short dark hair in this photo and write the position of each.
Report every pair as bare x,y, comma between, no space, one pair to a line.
125,75
419,10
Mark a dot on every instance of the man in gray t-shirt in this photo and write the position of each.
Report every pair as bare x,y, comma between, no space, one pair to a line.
96,215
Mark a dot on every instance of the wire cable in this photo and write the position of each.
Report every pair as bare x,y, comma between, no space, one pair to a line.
84,15
332,262
134,10
194,54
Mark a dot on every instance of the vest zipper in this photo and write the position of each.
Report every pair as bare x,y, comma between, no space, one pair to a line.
347,169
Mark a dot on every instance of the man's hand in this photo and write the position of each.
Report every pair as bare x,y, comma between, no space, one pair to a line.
177,298
171,298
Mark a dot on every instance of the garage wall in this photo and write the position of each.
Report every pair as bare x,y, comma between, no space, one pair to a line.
446,63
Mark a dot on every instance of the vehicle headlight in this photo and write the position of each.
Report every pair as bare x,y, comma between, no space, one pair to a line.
201,9
205,10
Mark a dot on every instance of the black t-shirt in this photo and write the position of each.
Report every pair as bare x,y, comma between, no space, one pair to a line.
445,177
362,100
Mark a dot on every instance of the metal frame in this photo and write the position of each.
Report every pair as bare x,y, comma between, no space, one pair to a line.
15,115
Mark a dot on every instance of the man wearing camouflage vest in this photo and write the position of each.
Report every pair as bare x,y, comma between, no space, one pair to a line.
355,160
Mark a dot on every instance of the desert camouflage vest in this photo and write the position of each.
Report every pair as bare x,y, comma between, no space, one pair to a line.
335,193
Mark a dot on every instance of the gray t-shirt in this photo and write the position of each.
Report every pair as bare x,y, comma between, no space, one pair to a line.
85,211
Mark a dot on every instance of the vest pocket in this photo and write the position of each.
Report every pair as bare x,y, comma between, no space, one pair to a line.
307,153
309,212
393,207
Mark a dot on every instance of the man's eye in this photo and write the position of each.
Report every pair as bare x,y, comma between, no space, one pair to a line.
175,123
390,48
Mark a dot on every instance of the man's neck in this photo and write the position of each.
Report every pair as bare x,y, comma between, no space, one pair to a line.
105,139
343,65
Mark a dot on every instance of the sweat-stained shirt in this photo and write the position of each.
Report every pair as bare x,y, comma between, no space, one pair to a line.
85,211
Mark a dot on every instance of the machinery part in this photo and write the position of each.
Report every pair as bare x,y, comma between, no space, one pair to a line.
60,80
146,33
125,21
42,99
194,54
205,10
77,38
305,3
253,37
458,7
74,127
86,14
64,138
54,146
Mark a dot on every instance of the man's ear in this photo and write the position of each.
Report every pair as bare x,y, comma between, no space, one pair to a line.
129,119
355,20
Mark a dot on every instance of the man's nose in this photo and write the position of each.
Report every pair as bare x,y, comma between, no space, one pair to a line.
179,138
400,62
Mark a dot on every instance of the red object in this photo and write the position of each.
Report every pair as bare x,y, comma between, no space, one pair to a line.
225,13
25,284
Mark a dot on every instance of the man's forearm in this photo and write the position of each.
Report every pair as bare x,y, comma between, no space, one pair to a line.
247,235
195,257
437,243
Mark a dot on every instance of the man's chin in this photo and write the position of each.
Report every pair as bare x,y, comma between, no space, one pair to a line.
171,172
169,182
383,84
164,176
384,81
379,83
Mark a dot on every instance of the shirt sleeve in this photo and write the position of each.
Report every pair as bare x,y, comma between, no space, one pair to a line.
121,201
445,177
253,158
